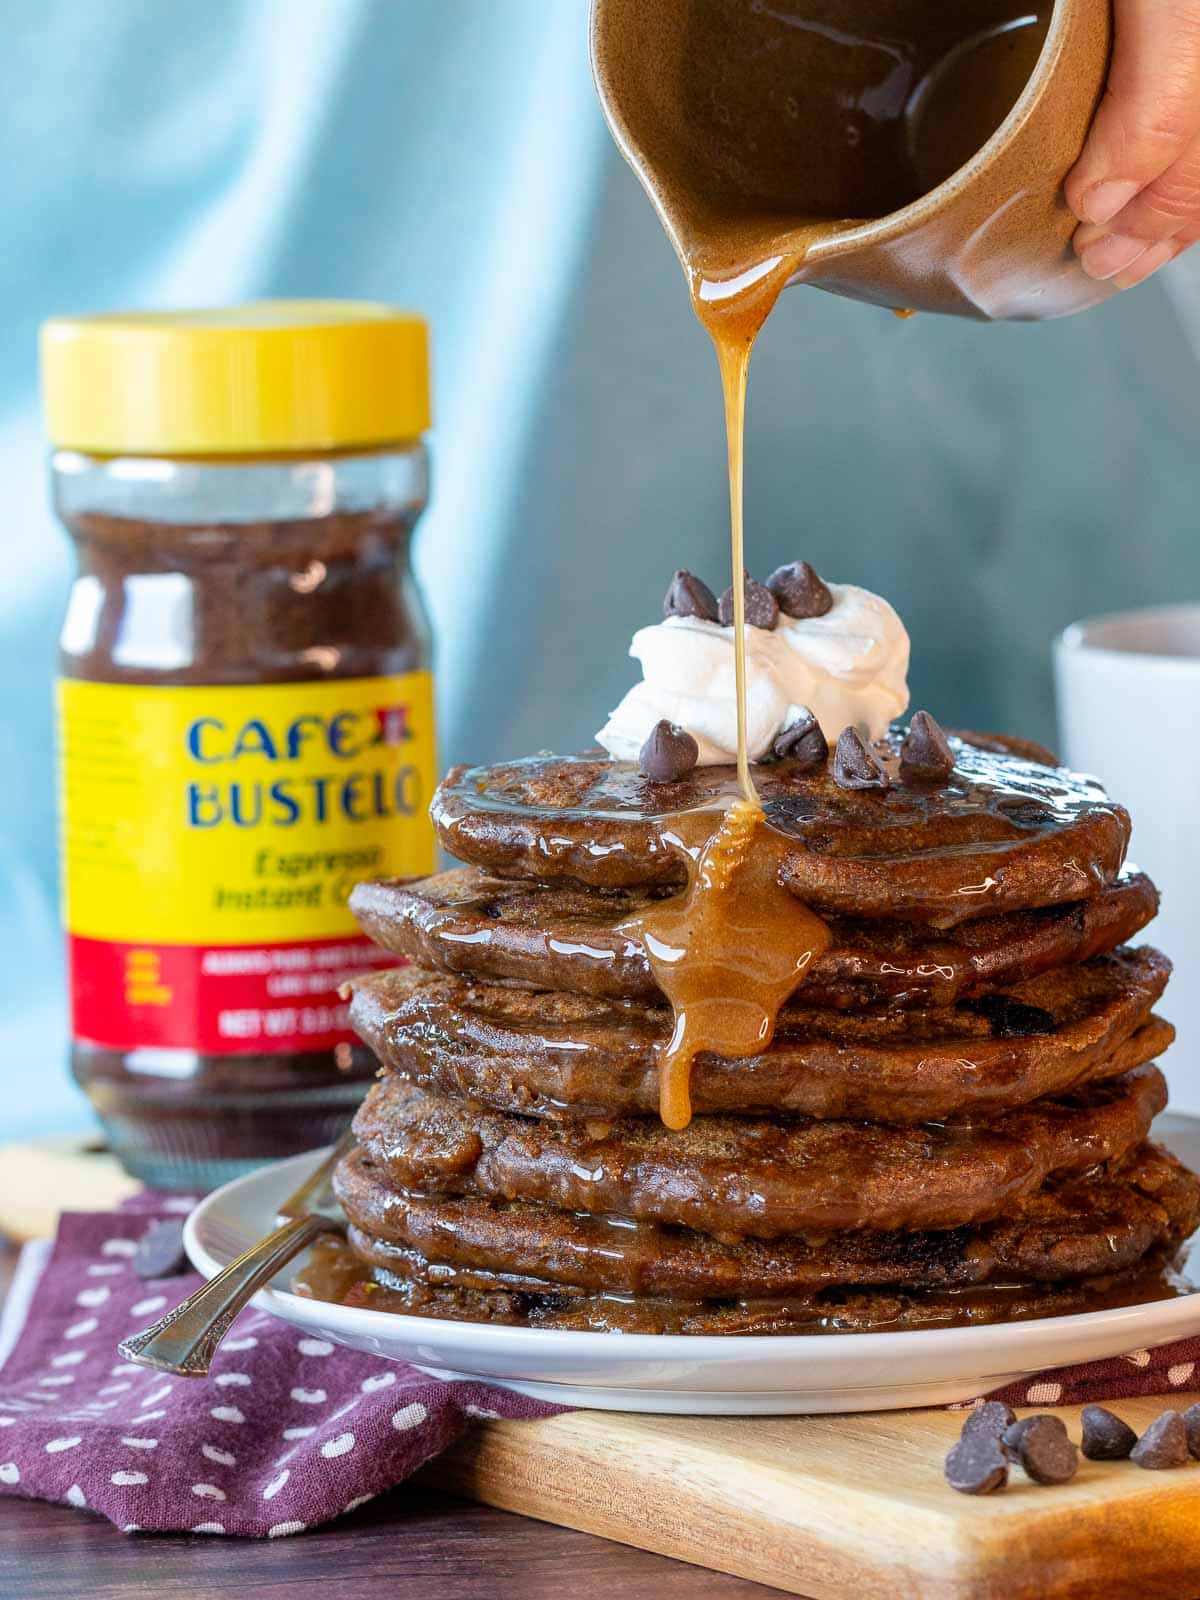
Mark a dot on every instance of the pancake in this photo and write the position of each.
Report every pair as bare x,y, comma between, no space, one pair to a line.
949,1125
1103,1222
1004,834
562,936
758,1178
489,1297
1010,744
556,1055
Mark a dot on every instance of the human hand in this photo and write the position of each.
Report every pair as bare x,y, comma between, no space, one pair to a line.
1136,187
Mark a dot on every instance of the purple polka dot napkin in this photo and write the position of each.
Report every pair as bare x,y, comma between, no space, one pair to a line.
287,1431
1169,1368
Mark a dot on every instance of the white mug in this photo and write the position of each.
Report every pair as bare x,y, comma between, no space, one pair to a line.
1129,711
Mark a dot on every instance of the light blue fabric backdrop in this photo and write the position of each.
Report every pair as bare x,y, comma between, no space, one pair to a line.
448,154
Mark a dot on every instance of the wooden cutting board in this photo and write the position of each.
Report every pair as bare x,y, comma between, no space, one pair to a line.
845,1508
39,1180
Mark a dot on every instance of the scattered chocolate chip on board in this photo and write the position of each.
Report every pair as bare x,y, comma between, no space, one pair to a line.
992,1436
1163,1445
976,1464
1010,1439
992,1418
1105,1436
1045,1450
1191,1422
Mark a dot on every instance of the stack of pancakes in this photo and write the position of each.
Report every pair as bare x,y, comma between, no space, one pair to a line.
950,1124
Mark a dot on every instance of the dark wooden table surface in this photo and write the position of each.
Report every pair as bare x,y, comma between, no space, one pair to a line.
413,1544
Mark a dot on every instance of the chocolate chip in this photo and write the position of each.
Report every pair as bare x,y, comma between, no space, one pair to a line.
688,596
1010,1439
803,742
992,1418
669,754
160,1252
855,764
799,591
1011,1019
925,755
976,1464
1164,1443
1105,1436
1045,1450
1191,1421
761,608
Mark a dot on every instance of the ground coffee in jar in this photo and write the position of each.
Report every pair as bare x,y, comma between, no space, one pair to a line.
245,710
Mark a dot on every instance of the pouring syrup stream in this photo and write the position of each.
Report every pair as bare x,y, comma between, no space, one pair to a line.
730,951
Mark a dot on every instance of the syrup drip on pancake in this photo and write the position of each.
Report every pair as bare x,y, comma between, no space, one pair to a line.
728,952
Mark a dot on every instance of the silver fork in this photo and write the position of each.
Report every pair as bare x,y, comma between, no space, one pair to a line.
186,1339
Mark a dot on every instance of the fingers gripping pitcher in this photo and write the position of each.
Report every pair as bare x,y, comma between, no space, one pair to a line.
902,152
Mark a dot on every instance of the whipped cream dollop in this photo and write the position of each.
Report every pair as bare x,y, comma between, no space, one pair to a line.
848,667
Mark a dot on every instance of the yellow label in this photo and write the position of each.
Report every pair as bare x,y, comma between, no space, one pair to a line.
237,816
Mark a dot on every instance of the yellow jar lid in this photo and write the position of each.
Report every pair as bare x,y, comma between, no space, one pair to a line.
272,376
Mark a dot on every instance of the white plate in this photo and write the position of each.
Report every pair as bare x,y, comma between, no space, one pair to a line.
703,1376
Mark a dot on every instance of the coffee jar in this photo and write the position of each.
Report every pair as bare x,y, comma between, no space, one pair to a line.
245,715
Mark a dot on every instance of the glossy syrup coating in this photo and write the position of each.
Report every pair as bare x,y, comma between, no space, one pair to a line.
555,1055
1103,1222
727,953
742,1177
564,936
1005,833
335,1272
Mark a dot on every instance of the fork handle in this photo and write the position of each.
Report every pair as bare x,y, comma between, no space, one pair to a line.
186,1339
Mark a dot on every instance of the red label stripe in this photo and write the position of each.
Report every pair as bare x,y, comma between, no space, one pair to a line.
220,1000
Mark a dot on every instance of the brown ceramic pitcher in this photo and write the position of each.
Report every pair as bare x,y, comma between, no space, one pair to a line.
905,152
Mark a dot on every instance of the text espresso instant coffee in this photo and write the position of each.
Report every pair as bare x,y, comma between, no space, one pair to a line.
245,710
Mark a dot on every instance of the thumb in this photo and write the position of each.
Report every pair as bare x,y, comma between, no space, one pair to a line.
1148,117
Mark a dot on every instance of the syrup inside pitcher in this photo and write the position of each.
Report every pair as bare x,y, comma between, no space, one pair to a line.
761,125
